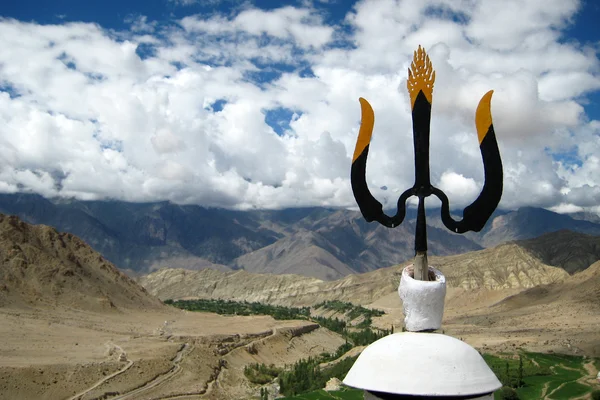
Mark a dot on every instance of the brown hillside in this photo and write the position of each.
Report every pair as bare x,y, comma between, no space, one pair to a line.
304,252
569,250
503,267
42,267
582,289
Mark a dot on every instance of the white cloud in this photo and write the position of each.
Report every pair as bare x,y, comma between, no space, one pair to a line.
166,142
565,208
512,24
87,116
461,189
186,3
303,26
140,24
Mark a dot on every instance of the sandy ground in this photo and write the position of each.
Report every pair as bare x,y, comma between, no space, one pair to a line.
61,354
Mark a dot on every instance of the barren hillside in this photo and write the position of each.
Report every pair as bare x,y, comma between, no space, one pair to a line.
498,299
582,288
503,267
40,266
569,250
304,251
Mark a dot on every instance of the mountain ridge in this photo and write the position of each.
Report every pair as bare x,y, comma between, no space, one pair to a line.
507,266
572,251
144,237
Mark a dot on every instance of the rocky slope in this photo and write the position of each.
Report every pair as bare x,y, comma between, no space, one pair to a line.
503,267
530,222
569,250
369,246
582,288
42,267
305,251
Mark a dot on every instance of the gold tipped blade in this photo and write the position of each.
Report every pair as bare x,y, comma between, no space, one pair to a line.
483,116
366,128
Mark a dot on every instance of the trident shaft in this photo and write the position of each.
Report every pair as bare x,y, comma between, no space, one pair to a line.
421,78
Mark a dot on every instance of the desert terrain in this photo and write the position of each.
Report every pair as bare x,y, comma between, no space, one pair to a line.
75,327
74,354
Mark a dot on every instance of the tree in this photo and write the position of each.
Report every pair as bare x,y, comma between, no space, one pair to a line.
508,393
264,394
520,376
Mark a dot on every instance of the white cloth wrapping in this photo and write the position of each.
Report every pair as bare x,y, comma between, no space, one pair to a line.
423,301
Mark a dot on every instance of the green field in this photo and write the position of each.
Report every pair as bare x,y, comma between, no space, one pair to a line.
230,307
346,394
561,383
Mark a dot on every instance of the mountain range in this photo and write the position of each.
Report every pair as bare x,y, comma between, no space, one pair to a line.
318,242
509,266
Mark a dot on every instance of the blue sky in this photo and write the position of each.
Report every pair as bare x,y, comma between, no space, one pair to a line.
585,30
112,14
254,104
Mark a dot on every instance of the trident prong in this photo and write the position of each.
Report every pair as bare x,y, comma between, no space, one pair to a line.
421,78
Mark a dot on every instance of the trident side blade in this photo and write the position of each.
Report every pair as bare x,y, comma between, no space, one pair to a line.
370,208
477,213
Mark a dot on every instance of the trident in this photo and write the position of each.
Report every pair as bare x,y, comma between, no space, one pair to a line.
421,77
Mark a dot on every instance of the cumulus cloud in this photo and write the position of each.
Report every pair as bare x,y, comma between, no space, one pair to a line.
179,111
459,188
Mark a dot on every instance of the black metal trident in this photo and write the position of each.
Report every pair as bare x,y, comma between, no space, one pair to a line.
421,77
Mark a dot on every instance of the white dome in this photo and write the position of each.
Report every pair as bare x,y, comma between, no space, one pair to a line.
422,364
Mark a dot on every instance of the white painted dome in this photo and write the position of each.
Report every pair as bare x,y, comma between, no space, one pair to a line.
422,364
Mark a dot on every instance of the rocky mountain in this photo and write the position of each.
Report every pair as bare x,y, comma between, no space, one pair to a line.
369,246
572,251
318,242
528,223
341,242
583,288
508,266
304,251
40,266
502,267
290,290
146,236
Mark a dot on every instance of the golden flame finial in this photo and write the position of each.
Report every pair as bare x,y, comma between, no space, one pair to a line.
421,76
